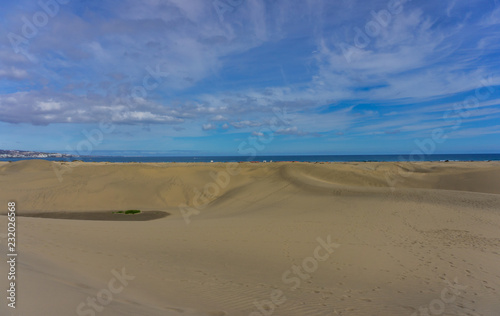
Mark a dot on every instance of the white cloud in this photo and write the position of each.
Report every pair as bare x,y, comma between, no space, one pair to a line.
219,117
492,18
474,132
291,131
48,106
13,73
208,127
246,123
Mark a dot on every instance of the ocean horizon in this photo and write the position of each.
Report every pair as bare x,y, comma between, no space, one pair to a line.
276,158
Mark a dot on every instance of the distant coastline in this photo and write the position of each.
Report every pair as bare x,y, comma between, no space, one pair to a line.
24,154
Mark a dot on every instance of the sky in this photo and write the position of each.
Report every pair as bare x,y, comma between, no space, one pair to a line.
243,77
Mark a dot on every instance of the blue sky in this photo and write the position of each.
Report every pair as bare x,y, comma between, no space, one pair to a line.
226,77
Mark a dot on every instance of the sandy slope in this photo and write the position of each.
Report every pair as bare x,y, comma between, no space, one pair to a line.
430,242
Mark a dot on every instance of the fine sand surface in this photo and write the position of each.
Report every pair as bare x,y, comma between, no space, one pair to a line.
405,238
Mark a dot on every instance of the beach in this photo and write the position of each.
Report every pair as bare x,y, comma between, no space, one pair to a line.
280,238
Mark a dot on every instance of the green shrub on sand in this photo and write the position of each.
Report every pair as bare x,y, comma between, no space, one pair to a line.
128,212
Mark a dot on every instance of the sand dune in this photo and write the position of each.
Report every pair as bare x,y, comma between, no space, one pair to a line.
252,238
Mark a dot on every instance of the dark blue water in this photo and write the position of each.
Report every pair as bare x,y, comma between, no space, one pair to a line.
310,158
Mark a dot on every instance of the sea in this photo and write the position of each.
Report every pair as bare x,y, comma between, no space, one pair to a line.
302,158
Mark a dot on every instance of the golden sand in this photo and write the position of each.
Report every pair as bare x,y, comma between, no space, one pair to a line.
255,238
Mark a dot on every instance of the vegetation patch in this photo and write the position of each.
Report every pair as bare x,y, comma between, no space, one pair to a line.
128,212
